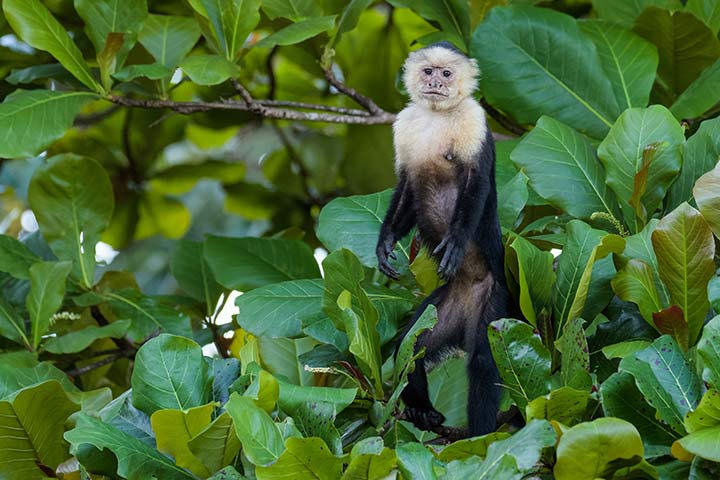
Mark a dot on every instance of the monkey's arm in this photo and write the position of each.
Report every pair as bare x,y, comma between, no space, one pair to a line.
399,220
476,184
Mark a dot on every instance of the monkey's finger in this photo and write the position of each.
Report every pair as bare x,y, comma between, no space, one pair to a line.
388,270
440,247
392,255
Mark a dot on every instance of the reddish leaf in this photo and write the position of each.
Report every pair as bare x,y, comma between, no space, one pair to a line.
672,322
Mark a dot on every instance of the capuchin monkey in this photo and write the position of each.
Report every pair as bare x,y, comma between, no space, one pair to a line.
445,164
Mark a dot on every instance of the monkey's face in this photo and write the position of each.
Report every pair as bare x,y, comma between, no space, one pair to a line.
439,78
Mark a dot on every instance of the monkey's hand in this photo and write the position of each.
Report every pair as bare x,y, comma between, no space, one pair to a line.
453,252
424,419
384,251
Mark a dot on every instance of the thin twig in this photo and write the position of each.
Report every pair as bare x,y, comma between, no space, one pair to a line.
95,365
96,117
360,99
504,121
313,106
271,73
122,343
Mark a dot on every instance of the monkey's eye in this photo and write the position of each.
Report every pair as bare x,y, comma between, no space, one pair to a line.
428,71
446,73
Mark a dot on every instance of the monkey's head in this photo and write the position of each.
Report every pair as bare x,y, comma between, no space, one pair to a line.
440,76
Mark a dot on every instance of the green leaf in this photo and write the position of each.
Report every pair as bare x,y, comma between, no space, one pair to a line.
685,248
261,440
707,196
37,27
565,405
170,372
79,340
280,310
303,458
192,272
174,429
31,120
153,71
553,156
686,46
47,291
134,458
452,16
523,361
12,325
623,349
468,447
624,13
209,69
635,283
15,258
369,459
294,396
31,431
354,223
512,197
19,370
597,449
709,350
343,272
628,60
291,9
535,278
232,21
575,360
622,399
103,17
450,376
348,19
622,154
666,380
639,246
707,413
415,461
700,95
706,10
525,447
540,63
72,199
704,443
298,32
247,263
148,314
216,445
169,38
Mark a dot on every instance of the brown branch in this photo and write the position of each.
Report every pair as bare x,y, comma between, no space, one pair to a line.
313,106
504,121
360,99
75,372
122,343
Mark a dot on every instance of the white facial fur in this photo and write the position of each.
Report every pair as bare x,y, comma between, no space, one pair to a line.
461,84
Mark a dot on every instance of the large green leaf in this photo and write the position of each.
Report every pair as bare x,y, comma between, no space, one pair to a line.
525,447
149,315
596,449
303,458
706,10
231,21
622,154
700,154
703,443
31,120
628,60
291,9
635,283
685,249
260,438
639,246
79,340
686,46
12,325
174,429
209,69
575,360
103,17
565,405
707,196
192,272
31,431
700,95
280,310
37,27
348,19
72,199
134,458
453,16
535,278
553,156
169,372
415,461
624,12
621,398
47,291
709,350
299,31
216,445
707,413
523,361
512,197
21,369
666,380
247,263
537,61
169,38
16,258
450,376
369,459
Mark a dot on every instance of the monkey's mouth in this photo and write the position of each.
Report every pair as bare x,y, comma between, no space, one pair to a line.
434,92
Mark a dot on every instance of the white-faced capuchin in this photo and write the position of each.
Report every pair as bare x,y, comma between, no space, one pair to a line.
445,163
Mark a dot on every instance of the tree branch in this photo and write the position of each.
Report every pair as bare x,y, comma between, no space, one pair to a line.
504,121
360,99
75,372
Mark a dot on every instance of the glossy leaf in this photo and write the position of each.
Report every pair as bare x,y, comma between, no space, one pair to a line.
466,448
31,120
629,61
303,458
134,458
103,17
261,440
231,22
596,449
12,325
700,155
541,64
704,444
79,340
216,445
522,359
190,269
169,373
639,246
415,461
148,314
174,429
72,199
554,155
169,38
247,263
565,405
685,248
348,19
47,291
624,13
535,277
31,431
525,447
19,370
671,321
575,360
16,258
37,27
369,459
708,199
153,71
512,198
709,350
622,154
665,379
209,69
700,95
635,283
298,32
453,16
291,9
707,413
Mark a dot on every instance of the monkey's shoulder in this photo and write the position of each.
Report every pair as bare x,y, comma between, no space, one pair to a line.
422,135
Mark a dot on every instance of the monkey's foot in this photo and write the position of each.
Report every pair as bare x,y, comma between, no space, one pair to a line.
424,419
